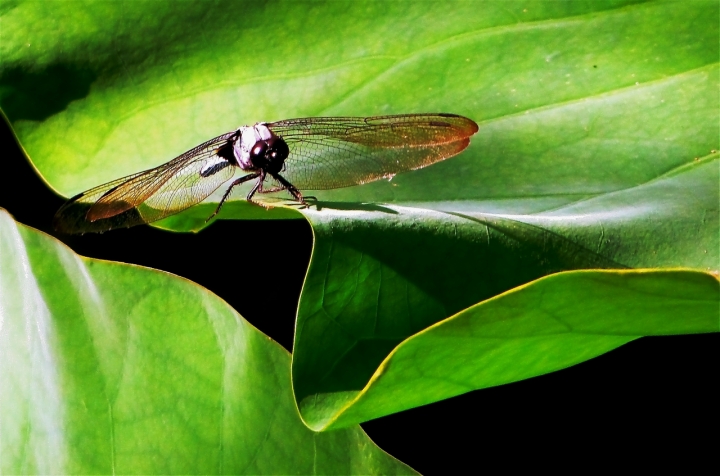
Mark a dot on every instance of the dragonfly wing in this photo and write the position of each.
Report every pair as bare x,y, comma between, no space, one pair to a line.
150,195
338,152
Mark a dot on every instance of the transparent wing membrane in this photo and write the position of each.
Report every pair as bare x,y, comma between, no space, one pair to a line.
336,152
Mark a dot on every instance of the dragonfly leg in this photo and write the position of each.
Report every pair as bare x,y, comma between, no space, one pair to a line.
227,192
258,188
290,188
280,189
270,190
258,185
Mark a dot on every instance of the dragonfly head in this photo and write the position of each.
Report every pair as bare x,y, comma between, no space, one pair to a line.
270,154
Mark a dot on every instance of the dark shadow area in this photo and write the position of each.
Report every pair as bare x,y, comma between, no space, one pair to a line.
37,95
366,207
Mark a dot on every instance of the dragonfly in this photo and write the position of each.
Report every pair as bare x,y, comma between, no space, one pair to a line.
315,153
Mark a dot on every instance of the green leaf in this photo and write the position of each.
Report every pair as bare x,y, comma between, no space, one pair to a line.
597,146
550,324
111,368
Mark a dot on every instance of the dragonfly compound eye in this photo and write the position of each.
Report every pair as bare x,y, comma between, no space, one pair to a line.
277,149
258,151
276,154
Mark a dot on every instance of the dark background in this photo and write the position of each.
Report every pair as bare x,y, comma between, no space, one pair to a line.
651,402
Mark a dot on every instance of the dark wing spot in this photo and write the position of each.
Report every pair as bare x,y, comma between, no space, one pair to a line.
439,124
215,168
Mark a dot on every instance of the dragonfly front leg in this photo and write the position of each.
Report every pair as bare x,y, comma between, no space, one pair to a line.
258,188
227,192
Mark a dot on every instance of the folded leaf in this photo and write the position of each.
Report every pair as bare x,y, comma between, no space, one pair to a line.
550,324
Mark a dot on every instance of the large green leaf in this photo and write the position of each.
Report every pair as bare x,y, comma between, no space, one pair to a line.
96,90
110,368
598,130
